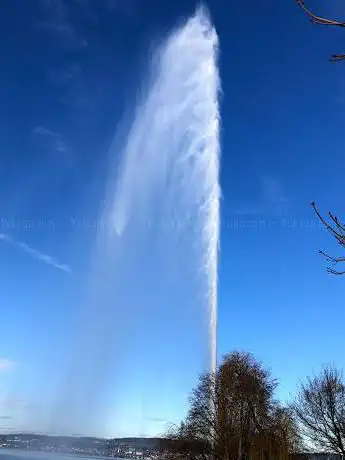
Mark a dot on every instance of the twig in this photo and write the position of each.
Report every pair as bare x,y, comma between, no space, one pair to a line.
318,19
323,21
339,236
338,232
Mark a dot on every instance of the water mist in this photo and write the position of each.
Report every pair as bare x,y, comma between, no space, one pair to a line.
149,324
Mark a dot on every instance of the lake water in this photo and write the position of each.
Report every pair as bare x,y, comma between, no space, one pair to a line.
17,454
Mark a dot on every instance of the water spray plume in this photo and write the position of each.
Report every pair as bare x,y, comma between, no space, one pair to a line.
178,127
154,280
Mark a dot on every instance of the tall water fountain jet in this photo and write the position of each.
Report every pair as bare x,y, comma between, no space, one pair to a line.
155,270
177,127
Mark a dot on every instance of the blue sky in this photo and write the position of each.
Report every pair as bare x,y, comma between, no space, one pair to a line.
69,70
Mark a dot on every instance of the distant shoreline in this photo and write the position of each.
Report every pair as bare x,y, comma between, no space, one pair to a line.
82,447
16,451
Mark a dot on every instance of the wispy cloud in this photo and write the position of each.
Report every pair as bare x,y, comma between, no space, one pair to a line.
272,198
58,22
38,255
6,364
156,420
65,75
57,143
272,190
128,8
249,209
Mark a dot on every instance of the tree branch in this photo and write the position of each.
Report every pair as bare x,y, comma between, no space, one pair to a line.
323,21
337,230
318,19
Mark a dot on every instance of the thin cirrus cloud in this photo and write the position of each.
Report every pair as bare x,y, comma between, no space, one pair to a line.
59,17
6,364
38,255
57,20
128,9
272,199
58,144
272,190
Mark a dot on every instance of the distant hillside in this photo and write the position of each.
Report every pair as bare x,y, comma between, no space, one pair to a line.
80,442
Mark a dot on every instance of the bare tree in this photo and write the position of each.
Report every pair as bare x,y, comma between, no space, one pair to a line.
333,224
337,229
180,442
233,416
323,21
320,411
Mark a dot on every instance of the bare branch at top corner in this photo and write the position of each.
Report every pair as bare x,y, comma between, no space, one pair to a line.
319,19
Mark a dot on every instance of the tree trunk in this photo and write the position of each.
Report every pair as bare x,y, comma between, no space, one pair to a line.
239,454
